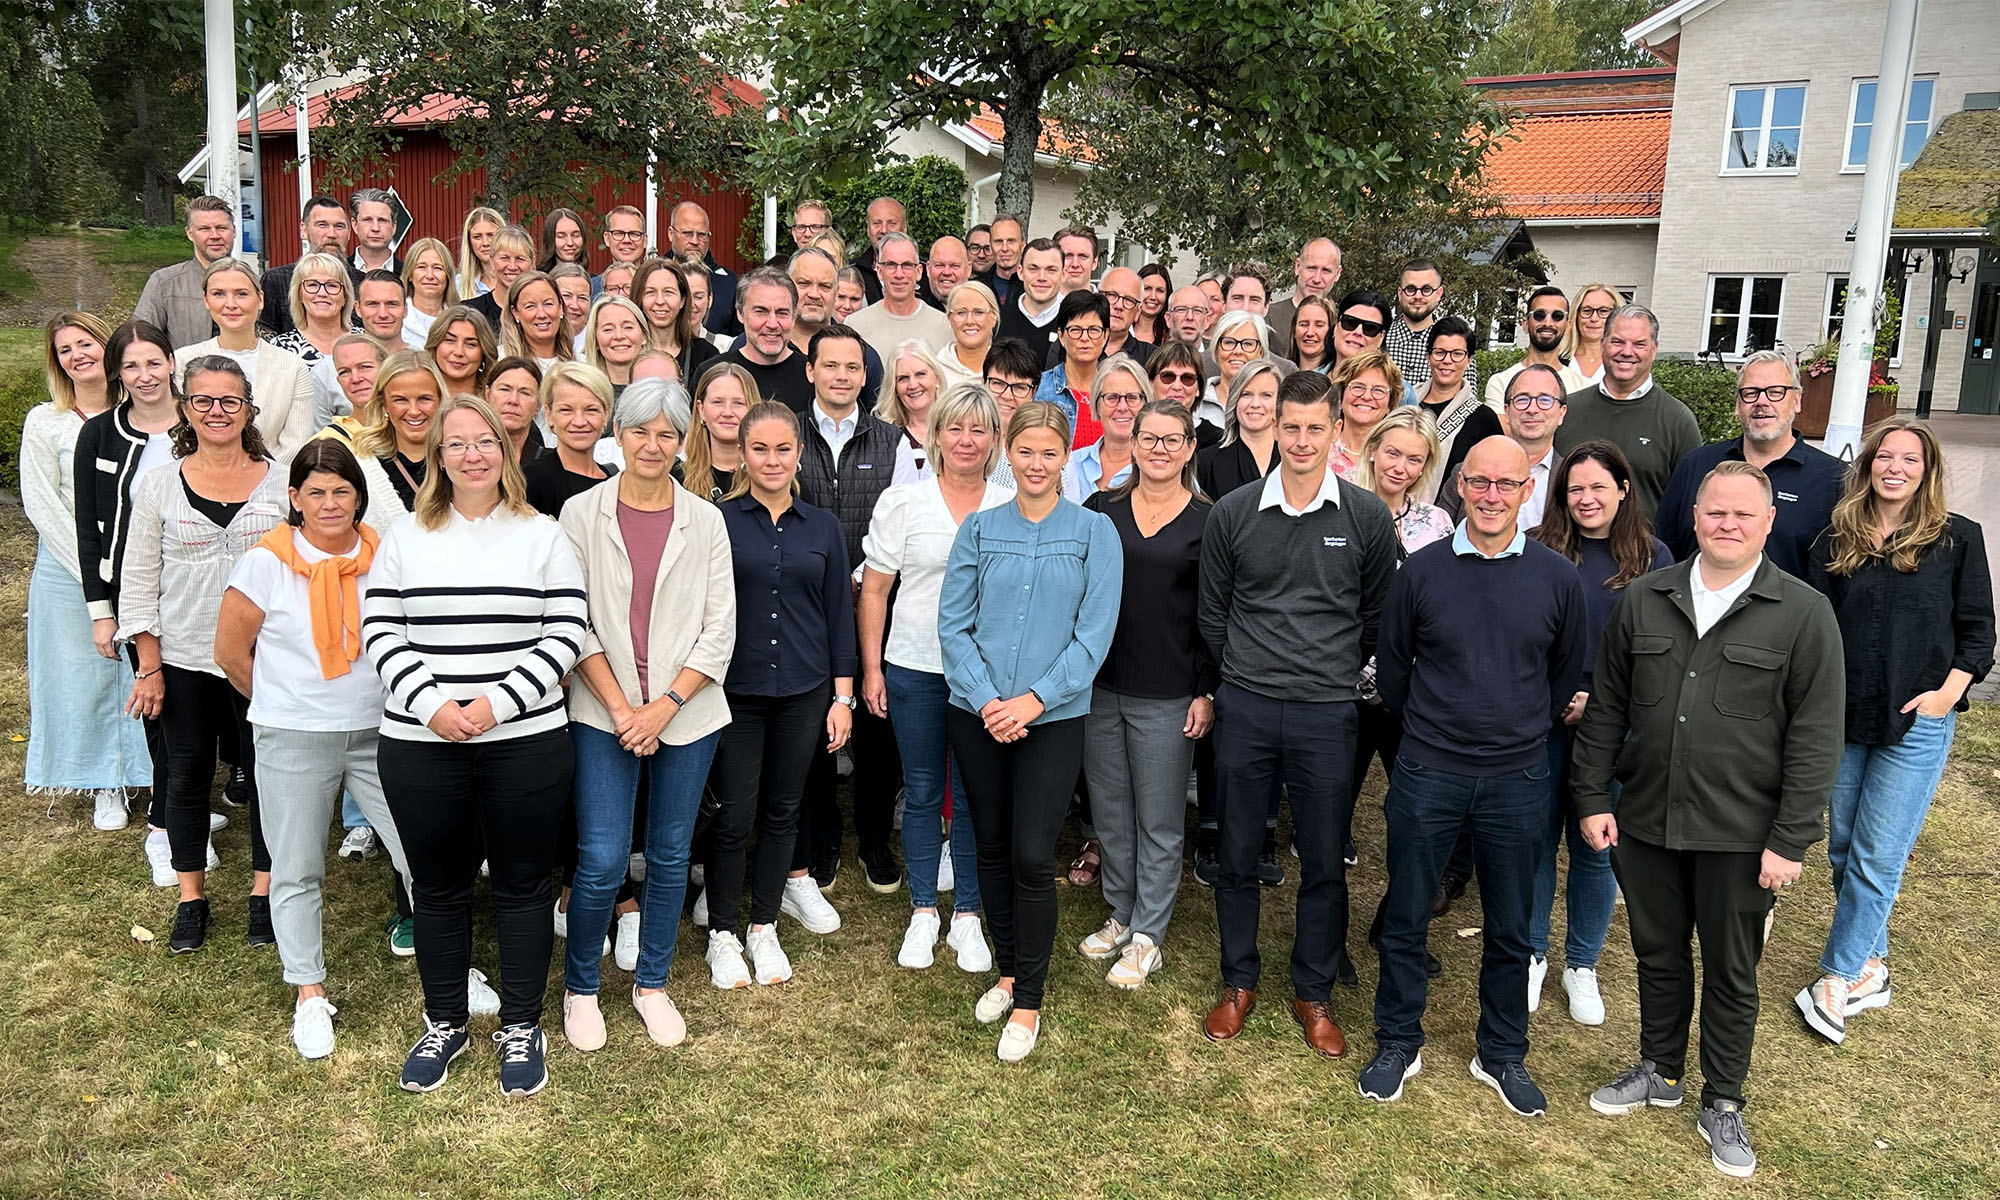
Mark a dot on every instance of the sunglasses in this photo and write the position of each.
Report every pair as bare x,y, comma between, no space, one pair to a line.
1351,324
1557,315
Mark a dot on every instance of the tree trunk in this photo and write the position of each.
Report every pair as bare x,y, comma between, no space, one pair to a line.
1022,120
156,204
499,140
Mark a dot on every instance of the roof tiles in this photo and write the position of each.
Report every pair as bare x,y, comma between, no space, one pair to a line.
1581,166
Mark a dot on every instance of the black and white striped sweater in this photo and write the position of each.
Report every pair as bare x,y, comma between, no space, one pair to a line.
489,608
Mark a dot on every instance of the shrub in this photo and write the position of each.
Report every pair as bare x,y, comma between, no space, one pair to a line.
932,190
1707,389
1499,358
20,390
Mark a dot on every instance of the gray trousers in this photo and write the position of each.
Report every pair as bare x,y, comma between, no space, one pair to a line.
1137,759
300,775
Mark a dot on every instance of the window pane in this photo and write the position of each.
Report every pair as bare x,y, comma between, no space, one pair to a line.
1783,149
1789,107
1743,149
1914,136
1922,91
1763,334
1728,297
1864,103
1836,305
1767,295
1857,147
1722,334
1748,112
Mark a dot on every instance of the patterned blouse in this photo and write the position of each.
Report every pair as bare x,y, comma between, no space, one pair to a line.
1420,524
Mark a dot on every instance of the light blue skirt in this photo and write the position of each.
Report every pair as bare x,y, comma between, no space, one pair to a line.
79,738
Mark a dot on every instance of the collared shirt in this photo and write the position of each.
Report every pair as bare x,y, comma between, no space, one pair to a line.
1084,473
1461,543
794,605
1410,350
1710,605
1537,502
1805,483
836,431
1645,385
1274,493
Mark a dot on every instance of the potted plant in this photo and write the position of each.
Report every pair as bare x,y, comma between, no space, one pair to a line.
1882,387
1816,370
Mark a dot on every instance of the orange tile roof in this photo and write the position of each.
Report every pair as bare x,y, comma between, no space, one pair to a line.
1581,166
986,123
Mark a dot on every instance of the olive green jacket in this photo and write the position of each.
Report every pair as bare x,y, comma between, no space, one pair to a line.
1727,742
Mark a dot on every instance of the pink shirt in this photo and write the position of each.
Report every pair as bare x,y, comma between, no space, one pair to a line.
645,535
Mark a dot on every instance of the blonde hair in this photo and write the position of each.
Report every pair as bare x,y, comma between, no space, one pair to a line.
594,356
1038,414
889,405
1925,522
960,402
768,410
576,374
377,437
514,339
1417,421
834,246
322,266
984,293
62,392
1568,346
519,240
430,245
697,457
470,269
433,503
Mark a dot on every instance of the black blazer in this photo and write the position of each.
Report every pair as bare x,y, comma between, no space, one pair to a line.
1222,469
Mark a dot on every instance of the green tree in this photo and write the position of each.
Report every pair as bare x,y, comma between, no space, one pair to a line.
1344,98
1531,37
560,93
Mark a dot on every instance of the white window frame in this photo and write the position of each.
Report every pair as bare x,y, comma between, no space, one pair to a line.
1743,315
1828,317
1854,112
1770,91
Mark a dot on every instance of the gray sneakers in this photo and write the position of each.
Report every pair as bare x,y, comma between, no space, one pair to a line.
1638,1088
1721,1127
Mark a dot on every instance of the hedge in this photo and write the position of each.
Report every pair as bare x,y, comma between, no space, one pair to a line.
931,188
20,391
1707,389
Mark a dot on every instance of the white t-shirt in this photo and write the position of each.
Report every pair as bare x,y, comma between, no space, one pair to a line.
911,535
159,452
286,688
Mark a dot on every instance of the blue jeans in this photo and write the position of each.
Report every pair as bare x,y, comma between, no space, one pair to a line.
1427,808
1593,891
917,703
607,785
1880,798
351,816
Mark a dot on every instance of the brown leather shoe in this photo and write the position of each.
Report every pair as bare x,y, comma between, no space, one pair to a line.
1316,1019
1225,1020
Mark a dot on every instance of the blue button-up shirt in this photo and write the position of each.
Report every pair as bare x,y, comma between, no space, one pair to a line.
794,605
1029,606
1084,473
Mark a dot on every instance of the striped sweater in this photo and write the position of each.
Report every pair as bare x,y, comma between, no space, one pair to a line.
492,608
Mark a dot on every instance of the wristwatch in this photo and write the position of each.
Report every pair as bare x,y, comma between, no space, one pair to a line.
847,700
679,700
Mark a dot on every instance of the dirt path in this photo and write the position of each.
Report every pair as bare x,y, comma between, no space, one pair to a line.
66,275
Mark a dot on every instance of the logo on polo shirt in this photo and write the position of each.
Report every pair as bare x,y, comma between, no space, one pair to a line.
1787,496
1645,441
1335,541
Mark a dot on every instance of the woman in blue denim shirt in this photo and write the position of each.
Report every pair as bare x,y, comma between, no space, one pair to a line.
1025,618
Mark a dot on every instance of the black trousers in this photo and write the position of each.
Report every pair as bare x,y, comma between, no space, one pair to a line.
759,775
1671,897
1018,794
878,772
452,801
1311,745
199,710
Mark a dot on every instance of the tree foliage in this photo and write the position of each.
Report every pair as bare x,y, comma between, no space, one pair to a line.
1340,99
1463,235
560,94
1530,37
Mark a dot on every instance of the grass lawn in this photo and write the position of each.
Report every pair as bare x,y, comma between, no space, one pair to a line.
130,255
14,282
125,1072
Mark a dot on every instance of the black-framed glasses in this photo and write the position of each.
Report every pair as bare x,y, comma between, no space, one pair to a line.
1477,484
1594,312
1421,289
321,287
1170,442
228,404
1000,387
1450,356
883,265
1110,400
811,229
1353,324
1238,345
1525,402
1088,333
1120,300
1775,393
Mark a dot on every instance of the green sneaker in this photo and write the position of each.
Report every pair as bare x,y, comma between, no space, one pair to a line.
402,933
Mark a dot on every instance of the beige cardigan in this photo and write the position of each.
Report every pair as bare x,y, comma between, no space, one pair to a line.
694,609
283,392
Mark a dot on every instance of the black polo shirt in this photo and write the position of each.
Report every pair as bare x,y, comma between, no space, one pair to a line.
1805,483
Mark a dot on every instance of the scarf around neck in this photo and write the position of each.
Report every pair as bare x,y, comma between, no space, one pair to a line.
336,601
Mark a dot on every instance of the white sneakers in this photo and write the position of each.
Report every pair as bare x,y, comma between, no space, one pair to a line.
701,909
726,968
217,822
768,964
919,941
480,1000
562,921
992,1004
1106,941
1140,958
625,946
108,810
803,903
1538,974
583,1022
360,844
663,1021
1018,1040
968,937
946,880
312,1027
160,857
1586,1004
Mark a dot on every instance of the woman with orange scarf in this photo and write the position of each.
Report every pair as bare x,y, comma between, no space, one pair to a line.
289,637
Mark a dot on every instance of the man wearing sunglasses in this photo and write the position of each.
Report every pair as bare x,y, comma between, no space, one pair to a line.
1547,322
1315,272
1419,303
1805,482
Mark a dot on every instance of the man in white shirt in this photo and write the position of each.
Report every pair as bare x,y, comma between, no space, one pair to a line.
1547,321
1531,414
899,316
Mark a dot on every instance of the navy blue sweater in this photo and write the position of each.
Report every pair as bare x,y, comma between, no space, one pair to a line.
1480,655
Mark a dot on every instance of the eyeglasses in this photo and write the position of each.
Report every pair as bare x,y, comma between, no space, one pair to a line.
966,314
1088,333
228,404
811,230
1020,391
1119,300
898,267
322,287
1555,315
1361,391
1362,324
1188,378
1413,289
692,235
1776,393
1188,310
1169,442
624,234
1524,402
1450,356
1477,484
1239,345
1594,312
1119,399
458,449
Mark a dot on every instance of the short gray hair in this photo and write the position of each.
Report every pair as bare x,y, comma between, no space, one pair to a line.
898,236
649,399
1769,356
363,196
1634,312
1233,317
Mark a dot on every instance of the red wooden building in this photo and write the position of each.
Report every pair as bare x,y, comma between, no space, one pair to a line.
439,210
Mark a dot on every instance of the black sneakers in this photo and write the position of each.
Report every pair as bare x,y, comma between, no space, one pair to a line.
190,927
524,1068
1515,1086
879,864
825,867
260,931
1207,865
1270,872
1382,1079
236,793
429,1062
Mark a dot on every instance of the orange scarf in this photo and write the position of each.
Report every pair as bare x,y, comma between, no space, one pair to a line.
336,602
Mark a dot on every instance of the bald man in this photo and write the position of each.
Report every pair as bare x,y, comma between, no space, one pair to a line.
885,215
690,238
947,266
1481,650
1316,270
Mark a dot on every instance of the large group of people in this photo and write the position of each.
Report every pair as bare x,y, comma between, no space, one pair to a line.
595,585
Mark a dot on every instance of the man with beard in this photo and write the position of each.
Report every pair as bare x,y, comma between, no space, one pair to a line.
1419,303
1316,272
813,272
1548,320
766,303
323,227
